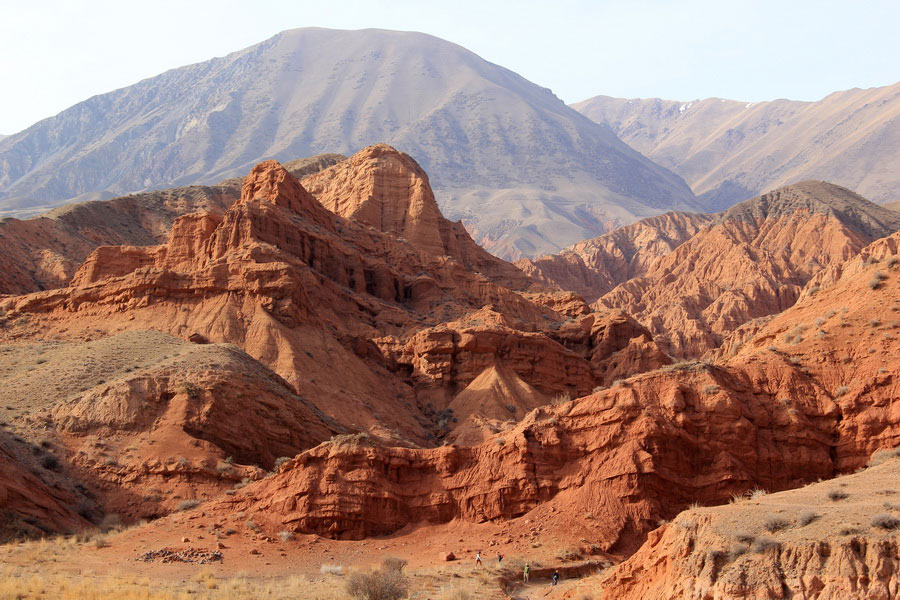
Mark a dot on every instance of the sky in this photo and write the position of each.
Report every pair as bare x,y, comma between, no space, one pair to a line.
55,53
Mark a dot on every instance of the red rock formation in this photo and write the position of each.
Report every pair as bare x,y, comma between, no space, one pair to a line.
28,506
291,283
833,553
624,458
594,267
751,262
44,252
388,190
846,338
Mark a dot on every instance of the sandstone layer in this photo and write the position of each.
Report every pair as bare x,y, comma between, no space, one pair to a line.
829,541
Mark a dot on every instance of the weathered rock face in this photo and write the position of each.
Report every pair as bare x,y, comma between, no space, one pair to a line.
844,337
388,190
594,267
291,283
44,252
144,411
826,553
753,261
626,457
28,506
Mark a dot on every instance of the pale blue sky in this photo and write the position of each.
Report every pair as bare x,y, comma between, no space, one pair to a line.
54,53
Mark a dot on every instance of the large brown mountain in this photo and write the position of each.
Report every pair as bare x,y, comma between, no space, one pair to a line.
729,151
525,172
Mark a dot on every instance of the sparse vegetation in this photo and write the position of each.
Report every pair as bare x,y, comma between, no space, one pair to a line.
285,536
377,585
331,570
392,563
561,398
189,389
842,390
774,523
188,504
886,521
757,493
763,544
50,462
837,495
806,517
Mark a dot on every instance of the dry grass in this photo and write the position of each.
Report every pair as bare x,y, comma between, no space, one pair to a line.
205,586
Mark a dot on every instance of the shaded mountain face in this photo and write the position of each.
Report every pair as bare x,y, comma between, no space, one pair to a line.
525,172
729,151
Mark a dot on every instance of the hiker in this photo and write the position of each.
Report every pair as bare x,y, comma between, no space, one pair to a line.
555,577
499,559
478,559
527,571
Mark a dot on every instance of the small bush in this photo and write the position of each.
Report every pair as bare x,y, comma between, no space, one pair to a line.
110,522
561,398
874,284
886,521
841,391
331,570
281,460
745,538
836,495
377,585
711,389
893,261
774,523
757,493
392,563
763,544
189,389
806,517
100,541
285,536
188,504
252,526
50,462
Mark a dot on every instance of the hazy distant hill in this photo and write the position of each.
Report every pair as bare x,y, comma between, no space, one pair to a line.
729,151
526,172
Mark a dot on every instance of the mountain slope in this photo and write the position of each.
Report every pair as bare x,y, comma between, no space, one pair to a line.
527,173
751,261
729,151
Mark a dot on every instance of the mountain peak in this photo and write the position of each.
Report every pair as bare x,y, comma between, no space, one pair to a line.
819,197
526,172
270,182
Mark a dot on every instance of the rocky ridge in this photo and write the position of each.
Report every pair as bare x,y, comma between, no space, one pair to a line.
45,251
729,151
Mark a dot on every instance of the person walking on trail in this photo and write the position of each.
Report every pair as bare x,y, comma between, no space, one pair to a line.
499,559
478,559
527,571
555,577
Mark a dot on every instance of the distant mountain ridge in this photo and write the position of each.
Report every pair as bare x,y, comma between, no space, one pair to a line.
730,151
525,172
